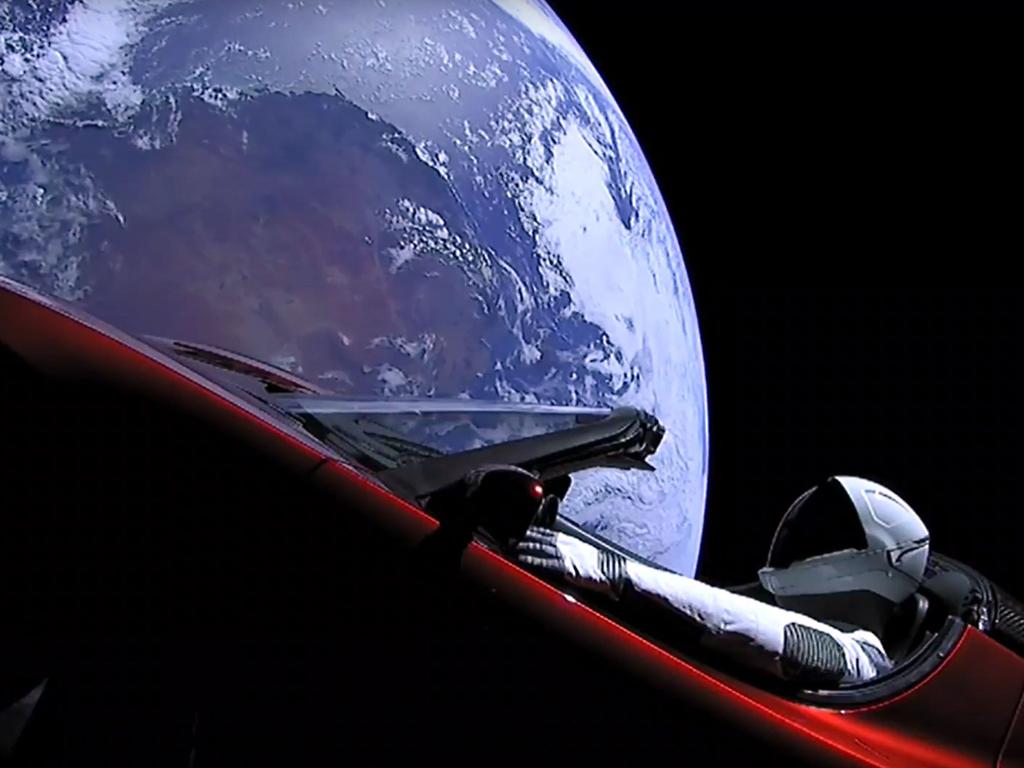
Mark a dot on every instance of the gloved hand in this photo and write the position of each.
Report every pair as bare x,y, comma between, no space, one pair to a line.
579,563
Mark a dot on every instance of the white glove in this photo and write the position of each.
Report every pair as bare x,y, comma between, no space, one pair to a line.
576,561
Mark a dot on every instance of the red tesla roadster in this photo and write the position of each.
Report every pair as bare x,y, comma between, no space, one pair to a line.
208,560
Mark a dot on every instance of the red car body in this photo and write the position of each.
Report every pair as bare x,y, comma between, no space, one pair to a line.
484,662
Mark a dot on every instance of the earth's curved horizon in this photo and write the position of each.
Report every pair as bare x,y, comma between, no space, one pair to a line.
393,197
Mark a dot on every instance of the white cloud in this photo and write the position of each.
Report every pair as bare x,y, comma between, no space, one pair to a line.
84,56
541,20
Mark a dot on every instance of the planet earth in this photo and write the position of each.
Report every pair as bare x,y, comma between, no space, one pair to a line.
393,198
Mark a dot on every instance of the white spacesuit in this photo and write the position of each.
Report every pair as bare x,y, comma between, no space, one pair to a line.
845,555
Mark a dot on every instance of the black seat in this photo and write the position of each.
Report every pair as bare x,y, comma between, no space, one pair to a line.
951,590
907,627
754,590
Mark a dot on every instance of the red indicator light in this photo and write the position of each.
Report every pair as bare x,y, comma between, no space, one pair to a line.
537,490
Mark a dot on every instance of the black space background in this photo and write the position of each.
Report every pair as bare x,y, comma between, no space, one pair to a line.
847,194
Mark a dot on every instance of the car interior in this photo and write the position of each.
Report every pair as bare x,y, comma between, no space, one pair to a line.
917,619
924,626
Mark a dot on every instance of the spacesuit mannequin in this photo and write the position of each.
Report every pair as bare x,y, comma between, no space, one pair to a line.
845,554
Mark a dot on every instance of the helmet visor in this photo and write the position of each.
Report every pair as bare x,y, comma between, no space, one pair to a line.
821,521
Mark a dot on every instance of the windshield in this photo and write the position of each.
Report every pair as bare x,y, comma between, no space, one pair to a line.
436,427
417,447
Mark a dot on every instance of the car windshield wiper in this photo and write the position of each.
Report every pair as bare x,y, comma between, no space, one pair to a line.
370,430
623,439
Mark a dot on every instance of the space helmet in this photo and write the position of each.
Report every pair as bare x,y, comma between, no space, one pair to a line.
847,551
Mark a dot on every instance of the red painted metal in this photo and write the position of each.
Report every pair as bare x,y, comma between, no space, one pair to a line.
964,714
1012,753
959,716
